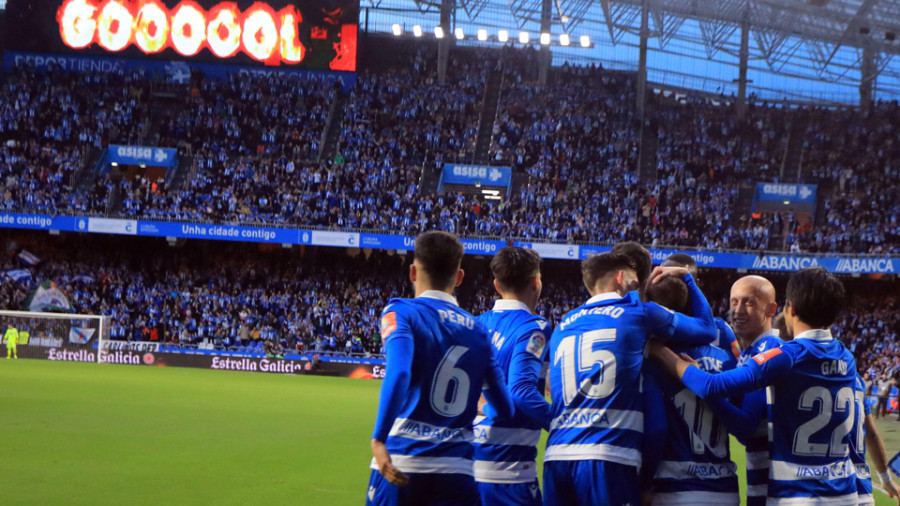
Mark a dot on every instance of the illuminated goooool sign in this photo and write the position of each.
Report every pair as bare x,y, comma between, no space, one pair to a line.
260,32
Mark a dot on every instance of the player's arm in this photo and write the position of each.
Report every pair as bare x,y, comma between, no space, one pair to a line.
726,339
398,348
741,421
655,426
696,330
524,374
875,446
764,369
500,403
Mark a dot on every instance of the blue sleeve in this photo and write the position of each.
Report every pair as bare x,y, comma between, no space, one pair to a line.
699,305
742,422
727,341
398,350
764,369
655,426
678,327
524,373
500,404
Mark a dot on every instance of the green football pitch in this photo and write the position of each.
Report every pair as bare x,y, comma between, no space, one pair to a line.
109,434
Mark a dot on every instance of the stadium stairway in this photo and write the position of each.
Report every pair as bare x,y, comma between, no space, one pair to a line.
86,177
792,163
489,110
333,127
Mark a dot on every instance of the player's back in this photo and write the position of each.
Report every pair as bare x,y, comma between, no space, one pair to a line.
596,357
451,356
696,466
506,448
811,414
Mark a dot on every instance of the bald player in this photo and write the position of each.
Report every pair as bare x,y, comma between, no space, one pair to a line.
752,308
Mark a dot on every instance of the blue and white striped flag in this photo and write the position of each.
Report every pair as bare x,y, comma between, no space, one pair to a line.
29,257
19,275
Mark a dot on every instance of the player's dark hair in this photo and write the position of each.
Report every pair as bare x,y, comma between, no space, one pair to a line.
513,267
640,258
670,293
440,254
816,296
595,267
780,325
681,260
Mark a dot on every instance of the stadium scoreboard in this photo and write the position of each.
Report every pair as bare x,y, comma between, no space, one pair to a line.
304,34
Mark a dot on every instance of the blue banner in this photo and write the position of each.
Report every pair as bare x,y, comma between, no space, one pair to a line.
36,221
217,232
175,71
476,174
785,262
380,241
779,192
137,155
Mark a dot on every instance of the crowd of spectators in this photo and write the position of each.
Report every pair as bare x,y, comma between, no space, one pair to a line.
49,122
232,296
574,142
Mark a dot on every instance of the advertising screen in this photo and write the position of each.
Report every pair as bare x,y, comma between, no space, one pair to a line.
308,34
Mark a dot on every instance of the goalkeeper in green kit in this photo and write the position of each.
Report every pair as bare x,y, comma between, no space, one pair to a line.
12,339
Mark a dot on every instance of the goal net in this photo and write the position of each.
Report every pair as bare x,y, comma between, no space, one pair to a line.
56,336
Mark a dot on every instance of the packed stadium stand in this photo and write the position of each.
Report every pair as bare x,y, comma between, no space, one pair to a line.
299,151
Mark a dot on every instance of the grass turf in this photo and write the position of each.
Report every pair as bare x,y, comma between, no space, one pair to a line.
110,434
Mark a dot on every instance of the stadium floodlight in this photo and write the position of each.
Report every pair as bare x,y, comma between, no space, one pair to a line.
491,192
564,39
585,41
439,32
524,37
503,36
482,35
545,39
493,197
395,28
115,164
459,33
417,30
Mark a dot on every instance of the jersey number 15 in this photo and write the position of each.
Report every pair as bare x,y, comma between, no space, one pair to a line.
578,355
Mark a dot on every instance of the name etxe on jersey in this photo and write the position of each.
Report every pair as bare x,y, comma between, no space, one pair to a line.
710,364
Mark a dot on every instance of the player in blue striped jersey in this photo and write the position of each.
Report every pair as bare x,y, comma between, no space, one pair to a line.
752,307
594,447
506,448
812,403
694,464
438,359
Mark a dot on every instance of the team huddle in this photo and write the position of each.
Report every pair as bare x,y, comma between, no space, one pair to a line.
645,386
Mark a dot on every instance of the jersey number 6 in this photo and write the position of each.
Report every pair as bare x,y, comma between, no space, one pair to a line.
450,386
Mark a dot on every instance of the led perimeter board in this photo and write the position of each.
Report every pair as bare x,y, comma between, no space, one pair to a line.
307,34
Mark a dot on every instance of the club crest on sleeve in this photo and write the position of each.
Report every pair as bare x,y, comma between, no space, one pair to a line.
762,358
388,324
536,344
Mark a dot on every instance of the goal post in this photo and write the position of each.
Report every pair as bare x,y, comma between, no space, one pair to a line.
56,336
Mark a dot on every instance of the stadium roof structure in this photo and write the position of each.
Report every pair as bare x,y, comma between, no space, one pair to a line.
799,49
